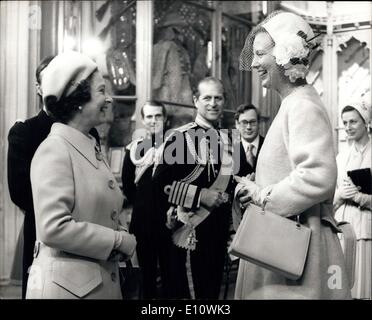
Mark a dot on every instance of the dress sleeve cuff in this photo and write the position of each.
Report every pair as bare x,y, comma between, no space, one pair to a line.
184,195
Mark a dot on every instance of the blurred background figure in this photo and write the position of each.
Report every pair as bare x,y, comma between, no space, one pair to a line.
351,203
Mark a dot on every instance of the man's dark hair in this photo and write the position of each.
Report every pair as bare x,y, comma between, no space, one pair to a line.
42,65
154,103
206,80
65,108
245,107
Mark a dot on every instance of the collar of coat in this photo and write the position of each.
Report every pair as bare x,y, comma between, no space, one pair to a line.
83,144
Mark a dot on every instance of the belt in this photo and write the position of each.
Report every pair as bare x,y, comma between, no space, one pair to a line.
48,252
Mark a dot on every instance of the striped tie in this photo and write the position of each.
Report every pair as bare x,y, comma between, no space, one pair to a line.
250,155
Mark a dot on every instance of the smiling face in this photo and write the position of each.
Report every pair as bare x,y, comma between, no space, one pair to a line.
264,62
153,118
247,125
94,111
354,125
210,101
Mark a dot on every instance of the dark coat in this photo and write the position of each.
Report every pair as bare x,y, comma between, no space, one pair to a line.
24,138
145,220
147,224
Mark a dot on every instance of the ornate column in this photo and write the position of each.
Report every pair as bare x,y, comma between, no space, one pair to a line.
144,44
330,73
216,39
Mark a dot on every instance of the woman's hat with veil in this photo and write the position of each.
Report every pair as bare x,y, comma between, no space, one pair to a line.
292,35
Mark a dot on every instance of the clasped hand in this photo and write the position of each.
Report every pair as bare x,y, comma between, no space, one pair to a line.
248,190
348,190
212,198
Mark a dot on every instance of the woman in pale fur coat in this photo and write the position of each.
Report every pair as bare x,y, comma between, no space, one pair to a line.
296,170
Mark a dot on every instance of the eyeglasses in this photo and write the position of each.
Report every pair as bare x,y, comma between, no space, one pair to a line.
245,123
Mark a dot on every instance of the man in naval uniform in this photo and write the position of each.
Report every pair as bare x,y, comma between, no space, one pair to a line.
193,184
153,238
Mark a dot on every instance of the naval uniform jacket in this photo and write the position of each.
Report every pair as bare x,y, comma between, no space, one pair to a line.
211,234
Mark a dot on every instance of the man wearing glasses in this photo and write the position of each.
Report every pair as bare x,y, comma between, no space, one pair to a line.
247,121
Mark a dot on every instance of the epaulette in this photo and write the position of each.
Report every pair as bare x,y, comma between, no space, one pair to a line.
186,127
133,143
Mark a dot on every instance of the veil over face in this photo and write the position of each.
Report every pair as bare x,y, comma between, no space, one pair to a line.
293,41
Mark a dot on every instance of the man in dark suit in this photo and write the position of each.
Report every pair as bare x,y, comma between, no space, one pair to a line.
247,121
24,138
153,237
194,185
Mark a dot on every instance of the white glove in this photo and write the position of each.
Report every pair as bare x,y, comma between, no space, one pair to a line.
127,244
251,192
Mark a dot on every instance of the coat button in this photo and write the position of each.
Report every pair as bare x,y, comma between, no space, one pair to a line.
99,156
111,184
113,276
114,214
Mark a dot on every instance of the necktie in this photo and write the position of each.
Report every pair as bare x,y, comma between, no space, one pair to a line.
250,155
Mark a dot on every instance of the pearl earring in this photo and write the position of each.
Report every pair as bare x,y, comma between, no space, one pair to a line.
80,108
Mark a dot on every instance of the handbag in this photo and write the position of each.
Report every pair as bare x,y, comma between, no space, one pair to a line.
272,242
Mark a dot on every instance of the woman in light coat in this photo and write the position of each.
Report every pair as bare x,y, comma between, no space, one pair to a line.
77,201
351,204
296,168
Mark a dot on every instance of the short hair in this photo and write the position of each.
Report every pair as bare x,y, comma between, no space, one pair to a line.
154,103
66,107
245,107
42,65
350,108
206,80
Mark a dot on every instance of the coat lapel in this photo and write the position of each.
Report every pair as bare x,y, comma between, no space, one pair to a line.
83,144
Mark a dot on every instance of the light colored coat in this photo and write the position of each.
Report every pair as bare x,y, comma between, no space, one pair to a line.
298,160
77,204
359,218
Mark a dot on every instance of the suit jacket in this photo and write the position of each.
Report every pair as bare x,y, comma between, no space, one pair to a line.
245,168
24,138
77,206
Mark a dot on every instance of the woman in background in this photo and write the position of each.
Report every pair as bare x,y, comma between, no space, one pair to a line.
350,203
77,201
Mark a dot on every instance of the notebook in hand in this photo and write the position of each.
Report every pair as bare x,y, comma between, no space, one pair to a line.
362,178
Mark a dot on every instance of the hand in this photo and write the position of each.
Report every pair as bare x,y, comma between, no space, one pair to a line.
212,198
348,190
243,197
251,192
171,218
128,243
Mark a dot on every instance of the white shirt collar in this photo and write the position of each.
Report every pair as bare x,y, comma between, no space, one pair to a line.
255,143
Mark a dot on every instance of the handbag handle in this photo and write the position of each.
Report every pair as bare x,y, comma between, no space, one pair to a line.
298,223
